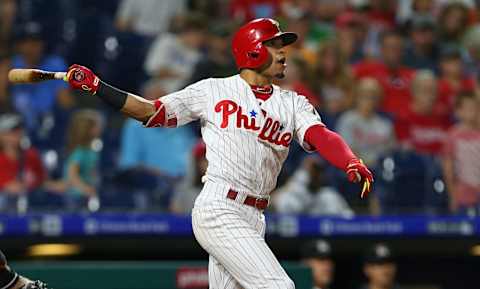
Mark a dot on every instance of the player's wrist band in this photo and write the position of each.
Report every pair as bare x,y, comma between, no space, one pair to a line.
114,97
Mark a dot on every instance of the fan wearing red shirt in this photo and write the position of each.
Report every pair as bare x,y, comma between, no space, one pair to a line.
453,80
21,169
461,159
389,71
418,126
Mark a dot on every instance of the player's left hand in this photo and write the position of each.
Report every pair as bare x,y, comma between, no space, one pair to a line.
357,172
82,78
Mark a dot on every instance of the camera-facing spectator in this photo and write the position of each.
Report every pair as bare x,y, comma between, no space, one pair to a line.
21,167
317,255
245,10
188,190
147,17
419,126
453,79
332,79
462,157
453,22
368,134
307,192
422,51
34,101
351,29
168,157
81,166
218,61
380,268
172,57
394,77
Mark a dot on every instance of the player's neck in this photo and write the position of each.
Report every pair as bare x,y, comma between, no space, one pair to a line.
254,78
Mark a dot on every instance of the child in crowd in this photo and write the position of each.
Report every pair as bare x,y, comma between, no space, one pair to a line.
81,163
461,160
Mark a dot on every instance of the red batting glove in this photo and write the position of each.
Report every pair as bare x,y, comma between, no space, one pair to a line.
357,171
81,77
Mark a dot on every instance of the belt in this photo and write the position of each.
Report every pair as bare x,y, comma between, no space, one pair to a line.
259,203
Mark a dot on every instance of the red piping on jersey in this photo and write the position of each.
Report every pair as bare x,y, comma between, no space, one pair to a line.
329,145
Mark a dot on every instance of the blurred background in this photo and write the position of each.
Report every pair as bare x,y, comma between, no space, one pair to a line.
88,196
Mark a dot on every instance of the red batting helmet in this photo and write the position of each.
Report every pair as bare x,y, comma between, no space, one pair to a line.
247,44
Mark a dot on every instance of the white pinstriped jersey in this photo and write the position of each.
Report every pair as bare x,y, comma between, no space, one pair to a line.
247,141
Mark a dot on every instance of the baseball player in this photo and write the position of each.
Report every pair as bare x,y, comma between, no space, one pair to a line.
247,124
11,280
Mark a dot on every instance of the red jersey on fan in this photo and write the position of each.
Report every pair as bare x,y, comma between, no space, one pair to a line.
424,133
395,83
33,171
447,93
463,146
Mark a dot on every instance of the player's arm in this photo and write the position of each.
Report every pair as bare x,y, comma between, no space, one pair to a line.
312,133
134,106
336,151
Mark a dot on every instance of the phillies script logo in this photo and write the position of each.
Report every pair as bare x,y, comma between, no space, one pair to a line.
270,132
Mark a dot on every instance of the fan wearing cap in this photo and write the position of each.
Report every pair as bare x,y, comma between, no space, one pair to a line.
21,168
317,255
247,125
33,101
380,268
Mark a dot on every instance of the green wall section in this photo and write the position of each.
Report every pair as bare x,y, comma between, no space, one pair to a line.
127,275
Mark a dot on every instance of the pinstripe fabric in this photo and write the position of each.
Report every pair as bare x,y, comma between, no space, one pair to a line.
247,143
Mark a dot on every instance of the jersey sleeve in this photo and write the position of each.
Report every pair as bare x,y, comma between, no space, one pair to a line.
305,116
186,105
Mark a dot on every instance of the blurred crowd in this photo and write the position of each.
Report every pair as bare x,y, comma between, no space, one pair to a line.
397,79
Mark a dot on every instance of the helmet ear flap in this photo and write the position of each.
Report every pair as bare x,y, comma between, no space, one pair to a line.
257,56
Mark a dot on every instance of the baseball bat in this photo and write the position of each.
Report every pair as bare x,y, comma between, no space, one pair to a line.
34,75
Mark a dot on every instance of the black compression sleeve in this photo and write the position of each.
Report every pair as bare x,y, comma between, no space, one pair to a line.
114,97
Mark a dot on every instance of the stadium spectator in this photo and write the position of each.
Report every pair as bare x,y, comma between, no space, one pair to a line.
332,79
172,57
368,134
422,51
393,76
317,255
21,168
418,126
191,185
81,166
453,79
8,10
453,22
408,10
169,154
380,268
218,62
351,30
147,17
34,101
296,80
5,98
306,192
245,10
461,160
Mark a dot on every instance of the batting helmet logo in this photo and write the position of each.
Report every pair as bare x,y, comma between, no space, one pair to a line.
247,44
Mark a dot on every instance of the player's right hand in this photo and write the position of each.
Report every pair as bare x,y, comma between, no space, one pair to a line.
82,78
357,172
